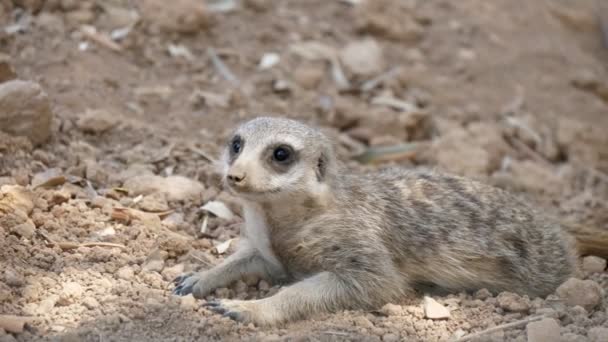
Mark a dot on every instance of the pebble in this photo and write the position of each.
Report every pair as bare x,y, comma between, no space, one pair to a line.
585,293
263,285
390,337
177,188
96,121
188,302
46,305
434,310
363,57
183,16
483,294
170,273
25,229
391,310
363,322
154,265
309,76
513,302
125,273
69,294
598,334
593,264
545,330
7,72
26,110
12,278
90,303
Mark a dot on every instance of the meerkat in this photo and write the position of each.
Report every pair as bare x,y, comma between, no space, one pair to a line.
349,241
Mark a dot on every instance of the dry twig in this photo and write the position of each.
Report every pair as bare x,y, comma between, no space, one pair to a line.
499,328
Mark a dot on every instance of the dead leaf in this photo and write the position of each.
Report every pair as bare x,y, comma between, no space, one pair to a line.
218,209
223,247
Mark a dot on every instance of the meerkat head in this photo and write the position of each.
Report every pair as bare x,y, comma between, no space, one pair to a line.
270,159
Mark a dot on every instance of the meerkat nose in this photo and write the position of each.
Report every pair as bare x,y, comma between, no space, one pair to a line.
236,177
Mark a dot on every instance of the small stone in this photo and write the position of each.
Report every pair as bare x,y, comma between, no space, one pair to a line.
25,230
251,279
585,293
363,322
96,121
390,337
598,334
46,305
391,310
125,273
12,278
593,264
170,273
183,16
483,294
308,76
155,202
188,302
263,285
177,188
26,110
434,310
70,292
513,302
240,286
545,330
6,70
154,265
90,303
363,57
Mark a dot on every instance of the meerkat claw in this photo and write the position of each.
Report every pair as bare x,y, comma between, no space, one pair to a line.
184,284
235,316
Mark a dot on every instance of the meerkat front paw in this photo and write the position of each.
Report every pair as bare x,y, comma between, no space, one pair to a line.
194,283
245,311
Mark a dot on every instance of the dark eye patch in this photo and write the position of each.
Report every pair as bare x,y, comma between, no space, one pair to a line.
235,146
280,157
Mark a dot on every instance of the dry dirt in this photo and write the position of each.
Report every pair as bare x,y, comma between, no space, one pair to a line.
511,92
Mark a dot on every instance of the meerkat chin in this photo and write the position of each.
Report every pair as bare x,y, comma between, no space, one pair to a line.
358,241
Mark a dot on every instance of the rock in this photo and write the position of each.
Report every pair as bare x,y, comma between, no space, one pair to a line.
46,305
309,76
6,70
391,310
170,273
390,337
483,294
70,293
96,121
16,198
155,262
90,303
363,57
585,293
155,202
545,330
263,285
363,322
177,188
513,302
188,302
183,16
392,19
25,229
125,273
593,264
434,310
12,278
598,334
26,110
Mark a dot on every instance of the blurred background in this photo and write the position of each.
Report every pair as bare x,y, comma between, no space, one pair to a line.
112,113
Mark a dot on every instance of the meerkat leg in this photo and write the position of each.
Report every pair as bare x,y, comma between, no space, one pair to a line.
323,292
245,261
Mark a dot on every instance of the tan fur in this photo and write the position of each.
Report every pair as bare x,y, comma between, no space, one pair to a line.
358,241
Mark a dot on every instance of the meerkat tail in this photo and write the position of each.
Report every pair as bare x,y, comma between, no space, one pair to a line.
589,239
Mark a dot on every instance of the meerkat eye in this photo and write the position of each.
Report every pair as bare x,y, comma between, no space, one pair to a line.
236,145
282,154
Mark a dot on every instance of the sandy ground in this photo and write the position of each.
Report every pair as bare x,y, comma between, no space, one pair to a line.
105,213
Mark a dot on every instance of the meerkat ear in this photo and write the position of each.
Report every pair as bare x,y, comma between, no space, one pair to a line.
321,168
